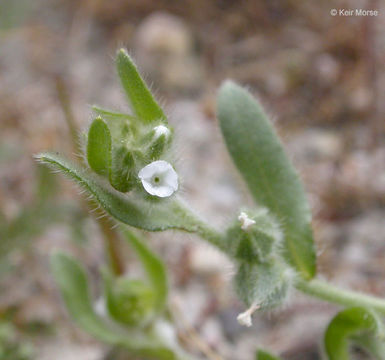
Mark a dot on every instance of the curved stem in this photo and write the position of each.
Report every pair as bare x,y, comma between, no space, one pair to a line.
200,227
330,293
211,235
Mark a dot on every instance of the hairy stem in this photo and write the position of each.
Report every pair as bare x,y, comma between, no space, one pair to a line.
200,227
330,293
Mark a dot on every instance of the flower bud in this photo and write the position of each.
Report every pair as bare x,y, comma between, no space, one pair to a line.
122,171
129,301
161,137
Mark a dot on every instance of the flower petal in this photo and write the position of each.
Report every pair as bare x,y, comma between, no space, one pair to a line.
159,178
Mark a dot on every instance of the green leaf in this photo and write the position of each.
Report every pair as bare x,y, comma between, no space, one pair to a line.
143,104
155,269
263,355
73,284
130,209
109,114
272,180
347,324
123,127
99,147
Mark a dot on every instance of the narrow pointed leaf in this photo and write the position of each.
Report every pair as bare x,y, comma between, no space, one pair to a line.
109,114
271,179
154,267
99,147
263,355
129,209
143,104
72,281
348,323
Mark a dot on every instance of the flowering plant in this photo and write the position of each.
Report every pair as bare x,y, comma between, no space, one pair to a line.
130,173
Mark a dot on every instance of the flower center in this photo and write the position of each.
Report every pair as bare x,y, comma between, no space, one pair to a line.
156,179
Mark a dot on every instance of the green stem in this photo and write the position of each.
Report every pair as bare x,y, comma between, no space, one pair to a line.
211,235
194,224
111,243
330,293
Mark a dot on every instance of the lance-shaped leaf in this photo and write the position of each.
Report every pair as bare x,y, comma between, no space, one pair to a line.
129,209
143,104
348,323
111,115
271,179
99,147
154,267
263,355
73,284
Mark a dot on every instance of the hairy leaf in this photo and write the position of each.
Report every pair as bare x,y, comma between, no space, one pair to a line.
129,209
99,147
109,114
348,323
72,281
143,104
154,267
272,180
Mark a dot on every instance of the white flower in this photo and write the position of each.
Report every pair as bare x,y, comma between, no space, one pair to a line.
161,130
245,317
246,222
159,178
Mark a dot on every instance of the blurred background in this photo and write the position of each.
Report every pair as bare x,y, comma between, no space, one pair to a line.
320,77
